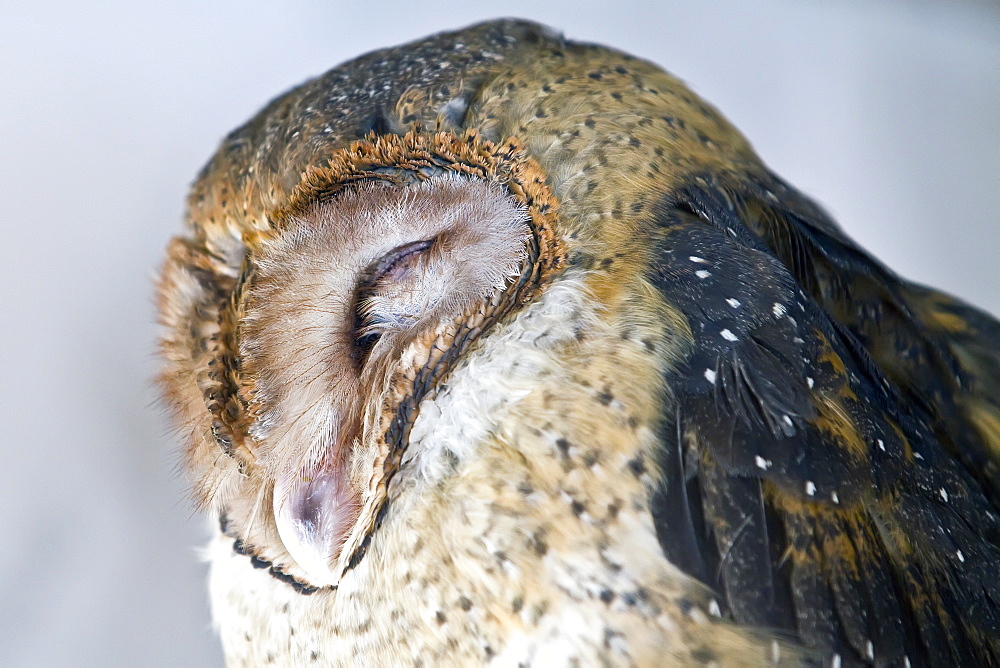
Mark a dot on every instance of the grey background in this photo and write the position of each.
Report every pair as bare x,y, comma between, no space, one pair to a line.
887,113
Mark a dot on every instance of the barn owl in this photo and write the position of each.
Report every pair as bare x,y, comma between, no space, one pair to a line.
495,348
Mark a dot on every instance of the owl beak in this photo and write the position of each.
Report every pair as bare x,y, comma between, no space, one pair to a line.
314,514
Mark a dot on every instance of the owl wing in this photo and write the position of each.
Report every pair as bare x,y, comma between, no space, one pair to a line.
830,464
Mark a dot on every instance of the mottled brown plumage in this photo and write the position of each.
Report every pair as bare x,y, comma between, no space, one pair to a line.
497,347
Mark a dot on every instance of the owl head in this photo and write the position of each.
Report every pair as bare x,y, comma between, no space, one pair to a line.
347,309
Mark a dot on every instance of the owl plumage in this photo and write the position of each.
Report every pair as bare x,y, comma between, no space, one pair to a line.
497,347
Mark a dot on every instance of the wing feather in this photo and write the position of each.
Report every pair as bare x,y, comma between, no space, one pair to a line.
845,476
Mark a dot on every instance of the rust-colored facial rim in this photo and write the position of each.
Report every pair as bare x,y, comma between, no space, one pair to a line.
397,160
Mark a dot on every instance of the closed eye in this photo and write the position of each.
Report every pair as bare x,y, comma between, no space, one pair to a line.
392,267
395,263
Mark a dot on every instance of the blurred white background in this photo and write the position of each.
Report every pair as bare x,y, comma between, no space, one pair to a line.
887,113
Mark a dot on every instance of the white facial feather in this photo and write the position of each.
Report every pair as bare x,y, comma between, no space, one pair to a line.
377,259
504,371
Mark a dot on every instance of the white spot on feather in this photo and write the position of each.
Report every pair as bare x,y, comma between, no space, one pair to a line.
699,260
735,303
728,336
881,444
810,488
810,382
713,609
961,557
778,310
701,273
454,108
762,463
710,376
834,497
944,494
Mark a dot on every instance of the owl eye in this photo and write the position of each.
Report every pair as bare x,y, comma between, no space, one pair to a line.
387,275
394,264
